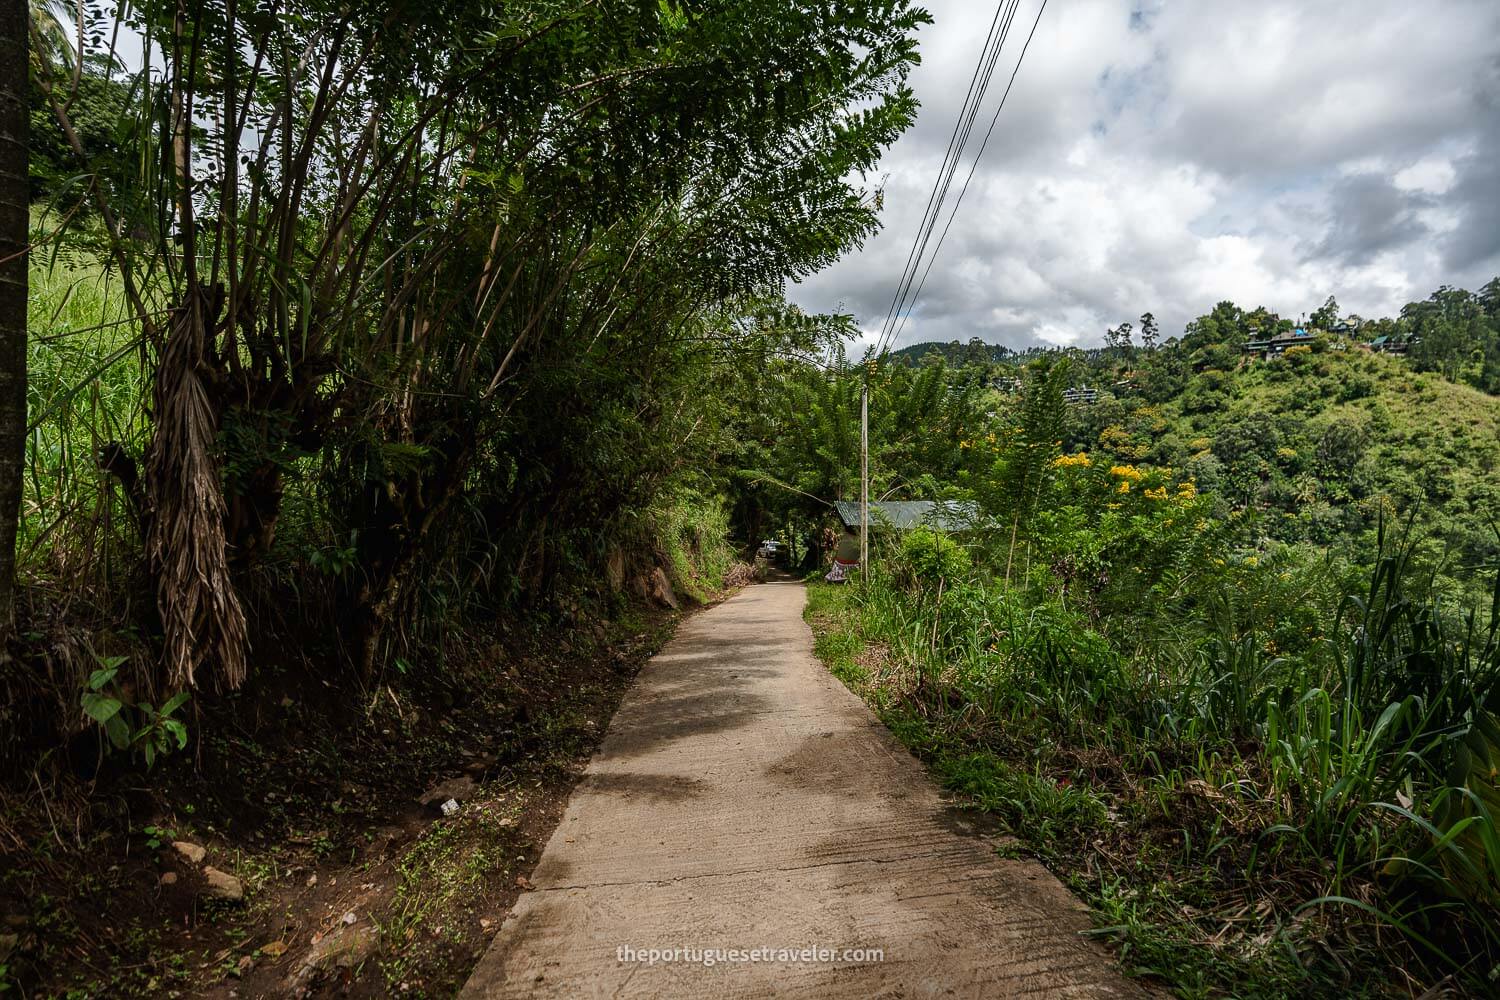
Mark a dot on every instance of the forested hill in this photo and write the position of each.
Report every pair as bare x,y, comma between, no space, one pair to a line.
953,352
1317,431
1223,646
1320,443
1454,332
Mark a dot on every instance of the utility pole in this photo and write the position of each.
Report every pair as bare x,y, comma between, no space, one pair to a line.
864,478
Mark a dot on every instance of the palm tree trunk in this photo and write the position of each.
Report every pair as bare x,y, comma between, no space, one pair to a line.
14,223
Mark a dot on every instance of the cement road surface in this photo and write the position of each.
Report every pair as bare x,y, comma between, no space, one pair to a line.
749,815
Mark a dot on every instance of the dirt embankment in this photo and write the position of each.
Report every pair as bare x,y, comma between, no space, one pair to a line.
313,840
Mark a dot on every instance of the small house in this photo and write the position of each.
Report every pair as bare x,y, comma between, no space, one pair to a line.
1392,344
1277,343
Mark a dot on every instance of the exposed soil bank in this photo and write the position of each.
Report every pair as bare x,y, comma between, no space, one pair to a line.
324,812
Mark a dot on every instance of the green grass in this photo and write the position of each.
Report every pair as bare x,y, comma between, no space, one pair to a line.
450,866
86,385
1240,824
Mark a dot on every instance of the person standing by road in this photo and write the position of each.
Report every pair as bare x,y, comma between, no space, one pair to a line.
845,556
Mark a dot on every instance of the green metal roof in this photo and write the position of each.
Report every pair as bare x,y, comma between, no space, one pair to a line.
944,515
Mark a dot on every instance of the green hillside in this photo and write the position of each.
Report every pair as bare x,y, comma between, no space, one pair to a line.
1321,443
953,352
1221,651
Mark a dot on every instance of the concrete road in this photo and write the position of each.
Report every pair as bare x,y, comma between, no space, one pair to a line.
743,799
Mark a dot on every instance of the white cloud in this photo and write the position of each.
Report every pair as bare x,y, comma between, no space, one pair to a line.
1431,174
1160,156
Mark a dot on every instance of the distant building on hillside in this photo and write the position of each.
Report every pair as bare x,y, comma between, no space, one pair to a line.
1009,386
1393,343
1266,347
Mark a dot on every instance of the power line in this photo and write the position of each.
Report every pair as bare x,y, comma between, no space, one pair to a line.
973,167
897,324
989,58
956,141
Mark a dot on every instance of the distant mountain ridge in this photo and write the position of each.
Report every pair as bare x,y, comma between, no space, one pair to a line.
956,352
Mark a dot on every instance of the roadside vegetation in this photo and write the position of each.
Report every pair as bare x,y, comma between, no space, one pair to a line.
383,361
1254,730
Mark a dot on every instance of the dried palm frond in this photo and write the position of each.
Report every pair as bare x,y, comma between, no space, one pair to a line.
201,614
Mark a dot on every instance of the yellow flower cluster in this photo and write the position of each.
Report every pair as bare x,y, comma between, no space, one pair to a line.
1129,473
1124,486
1187,490
1065,461
989,439
1159,493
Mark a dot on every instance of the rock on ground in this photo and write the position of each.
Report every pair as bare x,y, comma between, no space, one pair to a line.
222,885
192,853
346,947
460,788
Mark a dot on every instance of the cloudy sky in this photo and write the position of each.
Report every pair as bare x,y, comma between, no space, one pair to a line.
1163,155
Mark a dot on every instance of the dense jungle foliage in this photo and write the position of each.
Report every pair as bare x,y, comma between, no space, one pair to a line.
393,321
382,360
1222,648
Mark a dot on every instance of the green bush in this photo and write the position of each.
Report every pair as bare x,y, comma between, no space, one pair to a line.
930,556
1258,724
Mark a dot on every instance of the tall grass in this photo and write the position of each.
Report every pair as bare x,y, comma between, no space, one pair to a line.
85,378
1315,782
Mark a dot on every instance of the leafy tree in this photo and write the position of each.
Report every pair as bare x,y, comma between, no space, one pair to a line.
1118,339
1149,331
452,258
101,116
1341,444
1326,316
1452,335
1022,472
1489,297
